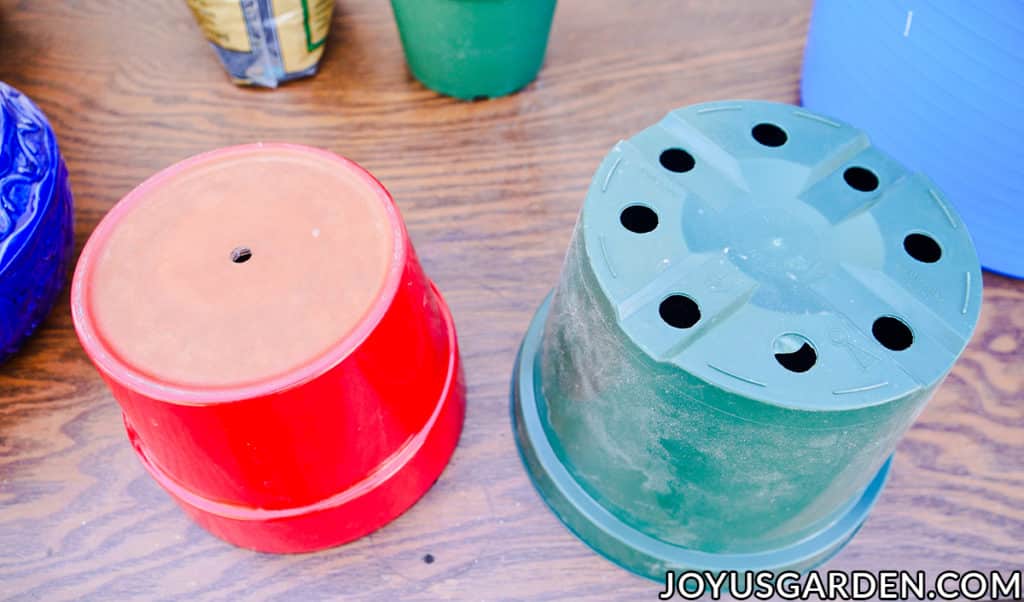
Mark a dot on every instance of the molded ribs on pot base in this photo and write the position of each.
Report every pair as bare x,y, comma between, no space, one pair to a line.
755,305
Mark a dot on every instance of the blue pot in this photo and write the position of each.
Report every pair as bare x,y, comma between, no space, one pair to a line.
939,84
36,230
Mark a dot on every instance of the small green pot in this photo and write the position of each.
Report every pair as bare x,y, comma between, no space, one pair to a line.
473,49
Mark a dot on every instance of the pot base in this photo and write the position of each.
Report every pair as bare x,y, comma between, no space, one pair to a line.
618,541
398,483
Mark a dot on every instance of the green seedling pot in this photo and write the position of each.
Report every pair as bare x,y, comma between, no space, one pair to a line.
474,49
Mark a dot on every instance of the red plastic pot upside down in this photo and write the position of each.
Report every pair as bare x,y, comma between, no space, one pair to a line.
286,370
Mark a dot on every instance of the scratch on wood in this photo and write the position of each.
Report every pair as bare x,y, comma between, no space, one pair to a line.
736,376
611,172
860,389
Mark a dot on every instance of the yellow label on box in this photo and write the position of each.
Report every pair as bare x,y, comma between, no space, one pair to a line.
302,27
223,23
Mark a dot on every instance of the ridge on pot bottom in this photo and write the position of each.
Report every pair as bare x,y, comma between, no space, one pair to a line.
755,305
286,370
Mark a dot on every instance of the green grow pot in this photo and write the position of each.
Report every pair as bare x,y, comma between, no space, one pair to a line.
755,306
473,49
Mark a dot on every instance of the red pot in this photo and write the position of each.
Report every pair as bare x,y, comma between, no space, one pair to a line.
286,370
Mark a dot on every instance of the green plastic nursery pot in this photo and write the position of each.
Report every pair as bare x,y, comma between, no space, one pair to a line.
474,49
755,306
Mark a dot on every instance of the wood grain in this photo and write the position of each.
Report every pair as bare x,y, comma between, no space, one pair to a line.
489,191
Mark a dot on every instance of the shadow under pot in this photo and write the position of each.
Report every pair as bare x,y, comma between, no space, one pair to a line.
755,306
286,370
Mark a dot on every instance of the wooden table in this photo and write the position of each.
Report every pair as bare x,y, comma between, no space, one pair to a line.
490,191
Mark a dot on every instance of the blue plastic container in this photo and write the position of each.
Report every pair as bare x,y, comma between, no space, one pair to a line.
939,84
36,230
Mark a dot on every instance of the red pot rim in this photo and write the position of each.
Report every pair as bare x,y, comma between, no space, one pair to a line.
150,386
